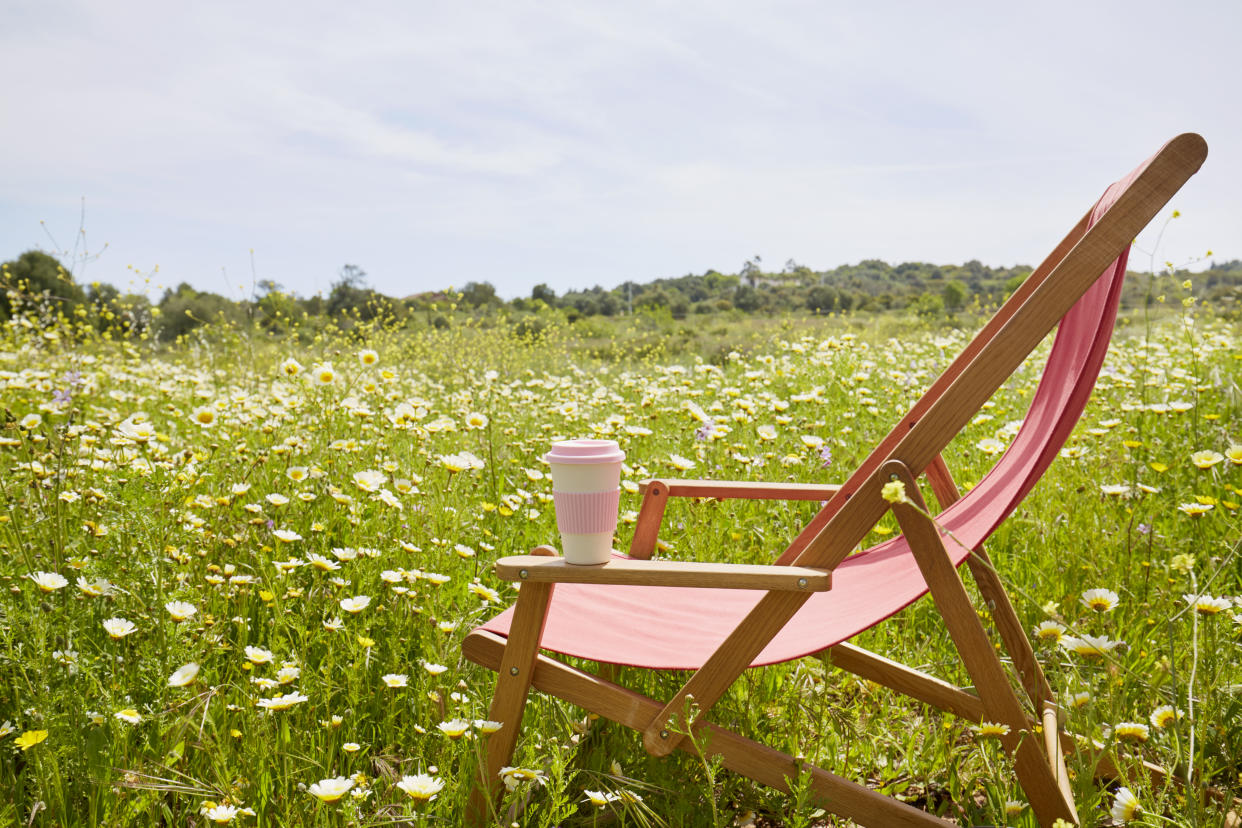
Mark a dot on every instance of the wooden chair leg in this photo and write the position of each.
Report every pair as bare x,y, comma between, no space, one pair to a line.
1049,796
509,702
1007,622
650,514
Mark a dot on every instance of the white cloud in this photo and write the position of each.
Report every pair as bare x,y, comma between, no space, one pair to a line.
572,142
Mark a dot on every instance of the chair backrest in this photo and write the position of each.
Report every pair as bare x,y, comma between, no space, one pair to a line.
1068,287
1066,384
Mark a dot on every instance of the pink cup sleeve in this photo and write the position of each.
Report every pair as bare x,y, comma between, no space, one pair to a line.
586,513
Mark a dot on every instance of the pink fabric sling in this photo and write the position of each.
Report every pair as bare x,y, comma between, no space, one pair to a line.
678,628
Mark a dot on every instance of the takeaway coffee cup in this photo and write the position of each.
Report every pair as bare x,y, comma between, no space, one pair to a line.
586,490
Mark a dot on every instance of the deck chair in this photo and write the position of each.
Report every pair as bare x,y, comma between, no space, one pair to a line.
717,620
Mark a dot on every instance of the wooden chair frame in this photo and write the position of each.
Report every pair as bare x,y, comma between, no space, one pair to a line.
806,566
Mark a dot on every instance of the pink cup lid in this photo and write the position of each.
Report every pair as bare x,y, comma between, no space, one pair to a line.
585,451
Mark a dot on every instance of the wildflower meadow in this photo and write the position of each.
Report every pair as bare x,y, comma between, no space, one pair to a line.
237,570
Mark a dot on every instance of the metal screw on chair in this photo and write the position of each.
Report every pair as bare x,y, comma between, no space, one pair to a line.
522,573
663,734
513,671
802,583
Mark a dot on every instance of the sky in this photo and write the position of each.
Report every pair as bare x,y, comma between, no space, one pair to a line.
582,143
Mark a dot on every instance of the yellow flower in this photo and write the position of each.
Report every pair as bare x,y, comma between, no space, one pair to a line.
322,563
990,445
1089,646
370,480
1131,731
324,373
118,628
282,702
1164,715
681,463
894,492
204,416
368,357
30,738
222,814
460,462
992,730
512,777
454,728
1100,600
180,610
356,604
1126,805
1206,459
129,715
258,655
184,675
1207,604
480,590
421,787
330,790
48,581
1050,631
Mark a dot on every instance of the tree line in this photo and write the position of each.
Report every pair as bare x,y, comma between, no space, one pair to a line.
37,286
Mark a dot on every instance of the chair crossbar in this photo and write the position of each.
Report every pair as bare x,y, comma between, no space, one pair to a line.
739,754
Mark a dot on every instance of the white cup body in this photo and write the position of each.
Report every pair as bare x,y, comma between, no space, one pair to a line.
586,490
586,550
585,477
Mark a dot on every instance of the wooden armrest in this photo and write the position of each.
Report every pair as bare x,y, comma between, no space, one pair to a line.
751,490
657,491
665,573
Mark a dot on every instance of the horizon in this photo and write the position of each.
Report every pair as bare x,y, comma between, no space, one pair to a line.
577,145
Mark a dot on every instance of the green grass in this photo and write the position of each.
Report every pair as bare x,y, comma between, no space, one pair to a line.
110,471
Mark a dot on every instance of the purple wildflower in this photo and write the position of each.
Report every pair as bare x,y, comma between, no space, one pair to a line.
705,431
825,454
